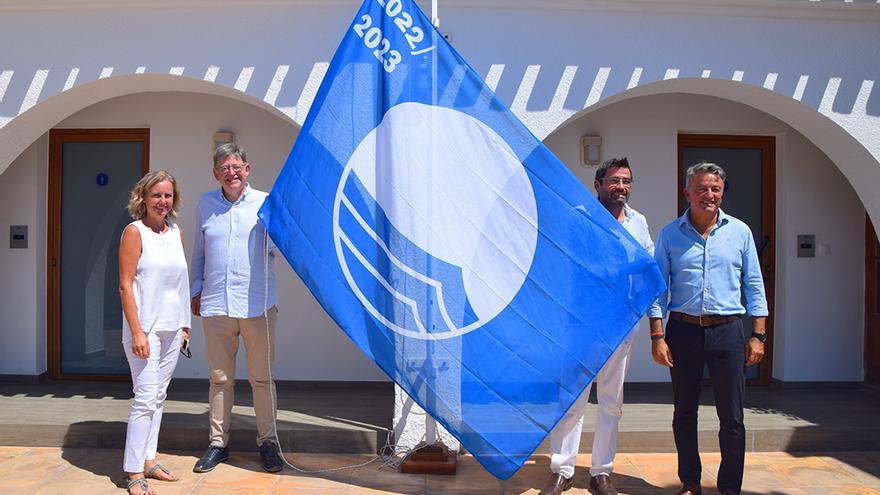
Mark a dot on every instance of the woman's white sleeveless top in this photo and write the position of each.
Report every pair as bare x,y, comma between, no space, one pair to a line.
161,283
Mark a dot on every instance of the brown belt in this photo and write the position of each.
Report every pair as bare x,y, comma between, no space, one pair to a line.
703,320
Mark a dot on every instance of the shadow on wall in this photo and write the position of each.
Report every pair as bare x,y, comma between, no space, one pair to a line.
549,86
562,63
551,89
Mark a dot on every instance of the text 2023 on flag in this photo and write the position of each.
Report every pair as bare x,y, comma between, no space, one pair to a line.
449,244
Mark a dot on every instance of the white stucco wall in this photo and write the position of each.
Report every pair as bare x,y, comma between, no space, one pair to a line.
819,312
547,59
813,295
22,293
310,346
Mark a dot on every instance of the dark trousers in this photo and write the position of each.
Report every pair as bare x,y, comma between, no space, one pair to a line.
722,348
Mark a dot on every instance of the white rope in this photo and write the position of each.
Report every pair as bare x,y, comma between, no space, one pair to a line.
394,456
272,382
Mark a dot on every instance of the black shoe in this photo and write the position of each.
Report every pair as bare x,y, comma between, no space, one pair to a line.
213,456
689,489
270,458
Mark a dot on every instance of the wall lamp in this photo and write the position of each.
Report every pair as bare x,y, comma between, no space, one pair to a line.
222,137
591,147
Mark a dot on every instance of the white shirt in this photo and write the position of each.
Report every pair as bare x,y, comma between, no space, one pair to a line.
160,287
637,226
229,256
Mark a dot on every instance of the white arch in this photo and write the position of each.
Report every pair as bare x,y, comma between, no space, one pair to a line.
23,130
855,161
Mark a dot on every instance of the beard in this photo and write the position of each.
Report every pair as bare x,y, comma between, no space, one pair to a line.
614,199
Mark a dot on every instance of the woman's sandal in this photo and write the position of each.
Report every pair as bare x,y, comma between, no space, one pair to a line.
140,482
151,473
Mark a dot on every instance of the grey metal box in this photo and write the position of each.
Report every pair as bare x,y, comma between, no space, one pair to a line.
806,246
18,237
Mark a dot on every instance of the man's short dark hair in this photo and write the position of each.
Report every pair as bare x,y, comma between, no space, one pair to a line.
612,163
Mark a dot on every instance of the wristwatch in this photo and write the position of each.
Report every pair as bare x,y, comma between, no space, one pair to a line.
762,337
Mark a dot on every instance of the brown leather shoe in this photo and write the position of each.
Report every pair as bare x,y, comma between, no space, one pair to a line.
687,489
601,485
556,485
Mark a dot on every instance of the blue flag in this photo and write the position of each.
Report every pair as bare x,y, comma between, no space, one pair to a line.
449,244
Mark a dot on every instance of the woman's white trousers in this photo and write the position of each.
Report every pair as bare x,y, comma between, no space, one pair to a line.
150,378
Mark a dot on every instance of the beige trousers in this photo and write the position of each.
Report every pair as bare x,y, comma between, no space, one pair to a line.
221,345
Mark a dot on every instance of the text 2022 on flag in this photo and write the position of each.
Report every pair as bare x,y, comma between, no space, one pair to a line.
449,244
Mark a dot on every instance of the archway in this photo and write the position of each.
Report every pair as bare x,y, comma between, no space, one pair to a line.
168,106
813,193
178,127
23,130
859,165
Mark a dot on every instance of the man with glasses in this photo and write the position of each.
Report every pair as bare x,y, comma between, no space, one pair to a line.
231,293
613,185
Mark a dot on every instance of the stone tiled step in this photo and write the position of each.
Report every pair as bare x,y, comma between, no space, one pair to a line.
355,418
764,440
112,435
317,418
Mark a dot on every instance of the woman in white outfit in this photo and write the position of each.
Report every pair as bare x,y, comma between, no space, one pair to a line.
154,288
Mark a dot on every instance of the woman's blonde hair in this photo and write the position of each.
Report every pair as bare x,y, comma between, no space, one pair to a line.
137,206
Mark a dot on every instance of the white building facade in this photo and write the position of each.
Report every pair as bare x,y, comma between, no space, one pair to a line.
658,81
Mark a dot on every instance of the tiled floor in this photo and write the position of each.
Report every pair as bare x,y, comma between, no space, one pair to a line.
70,471
356,417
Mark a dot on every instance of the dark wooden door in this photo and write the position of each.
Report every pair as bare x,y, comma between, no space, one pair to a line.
91,172
750,163
872,304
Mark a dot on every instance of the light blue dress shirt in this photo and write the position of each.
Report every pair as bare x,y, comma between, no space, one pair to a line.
706,276
229,256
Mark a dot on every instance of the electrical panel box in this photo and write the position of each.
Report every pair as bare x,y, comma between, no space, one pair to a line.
806,246
18,236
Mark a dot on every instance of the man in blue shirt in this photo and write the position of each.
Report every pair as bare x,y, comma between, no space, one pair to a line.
708,259
613,183
233,290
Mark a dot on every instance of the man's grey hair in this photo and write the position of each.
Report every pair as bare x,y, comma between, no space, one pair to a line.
701,168
229,149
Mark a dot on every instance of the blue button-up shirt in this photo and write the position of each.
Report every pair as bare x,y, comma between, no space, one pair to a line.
229,256
706,276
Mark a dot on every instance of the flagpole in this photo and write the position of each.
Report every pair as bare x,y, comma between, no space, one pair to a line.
431,436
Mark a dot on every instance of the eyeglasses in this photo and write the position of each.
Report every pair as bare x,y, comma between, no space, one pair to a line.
229,168
617,181
184,349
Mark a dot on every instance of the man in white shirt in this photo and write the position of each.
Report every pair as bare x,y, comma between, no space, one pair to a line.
232,294
613,185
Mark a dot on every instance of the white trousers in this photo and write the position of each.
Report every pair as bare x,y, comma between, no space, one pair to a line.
565,439
150,378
